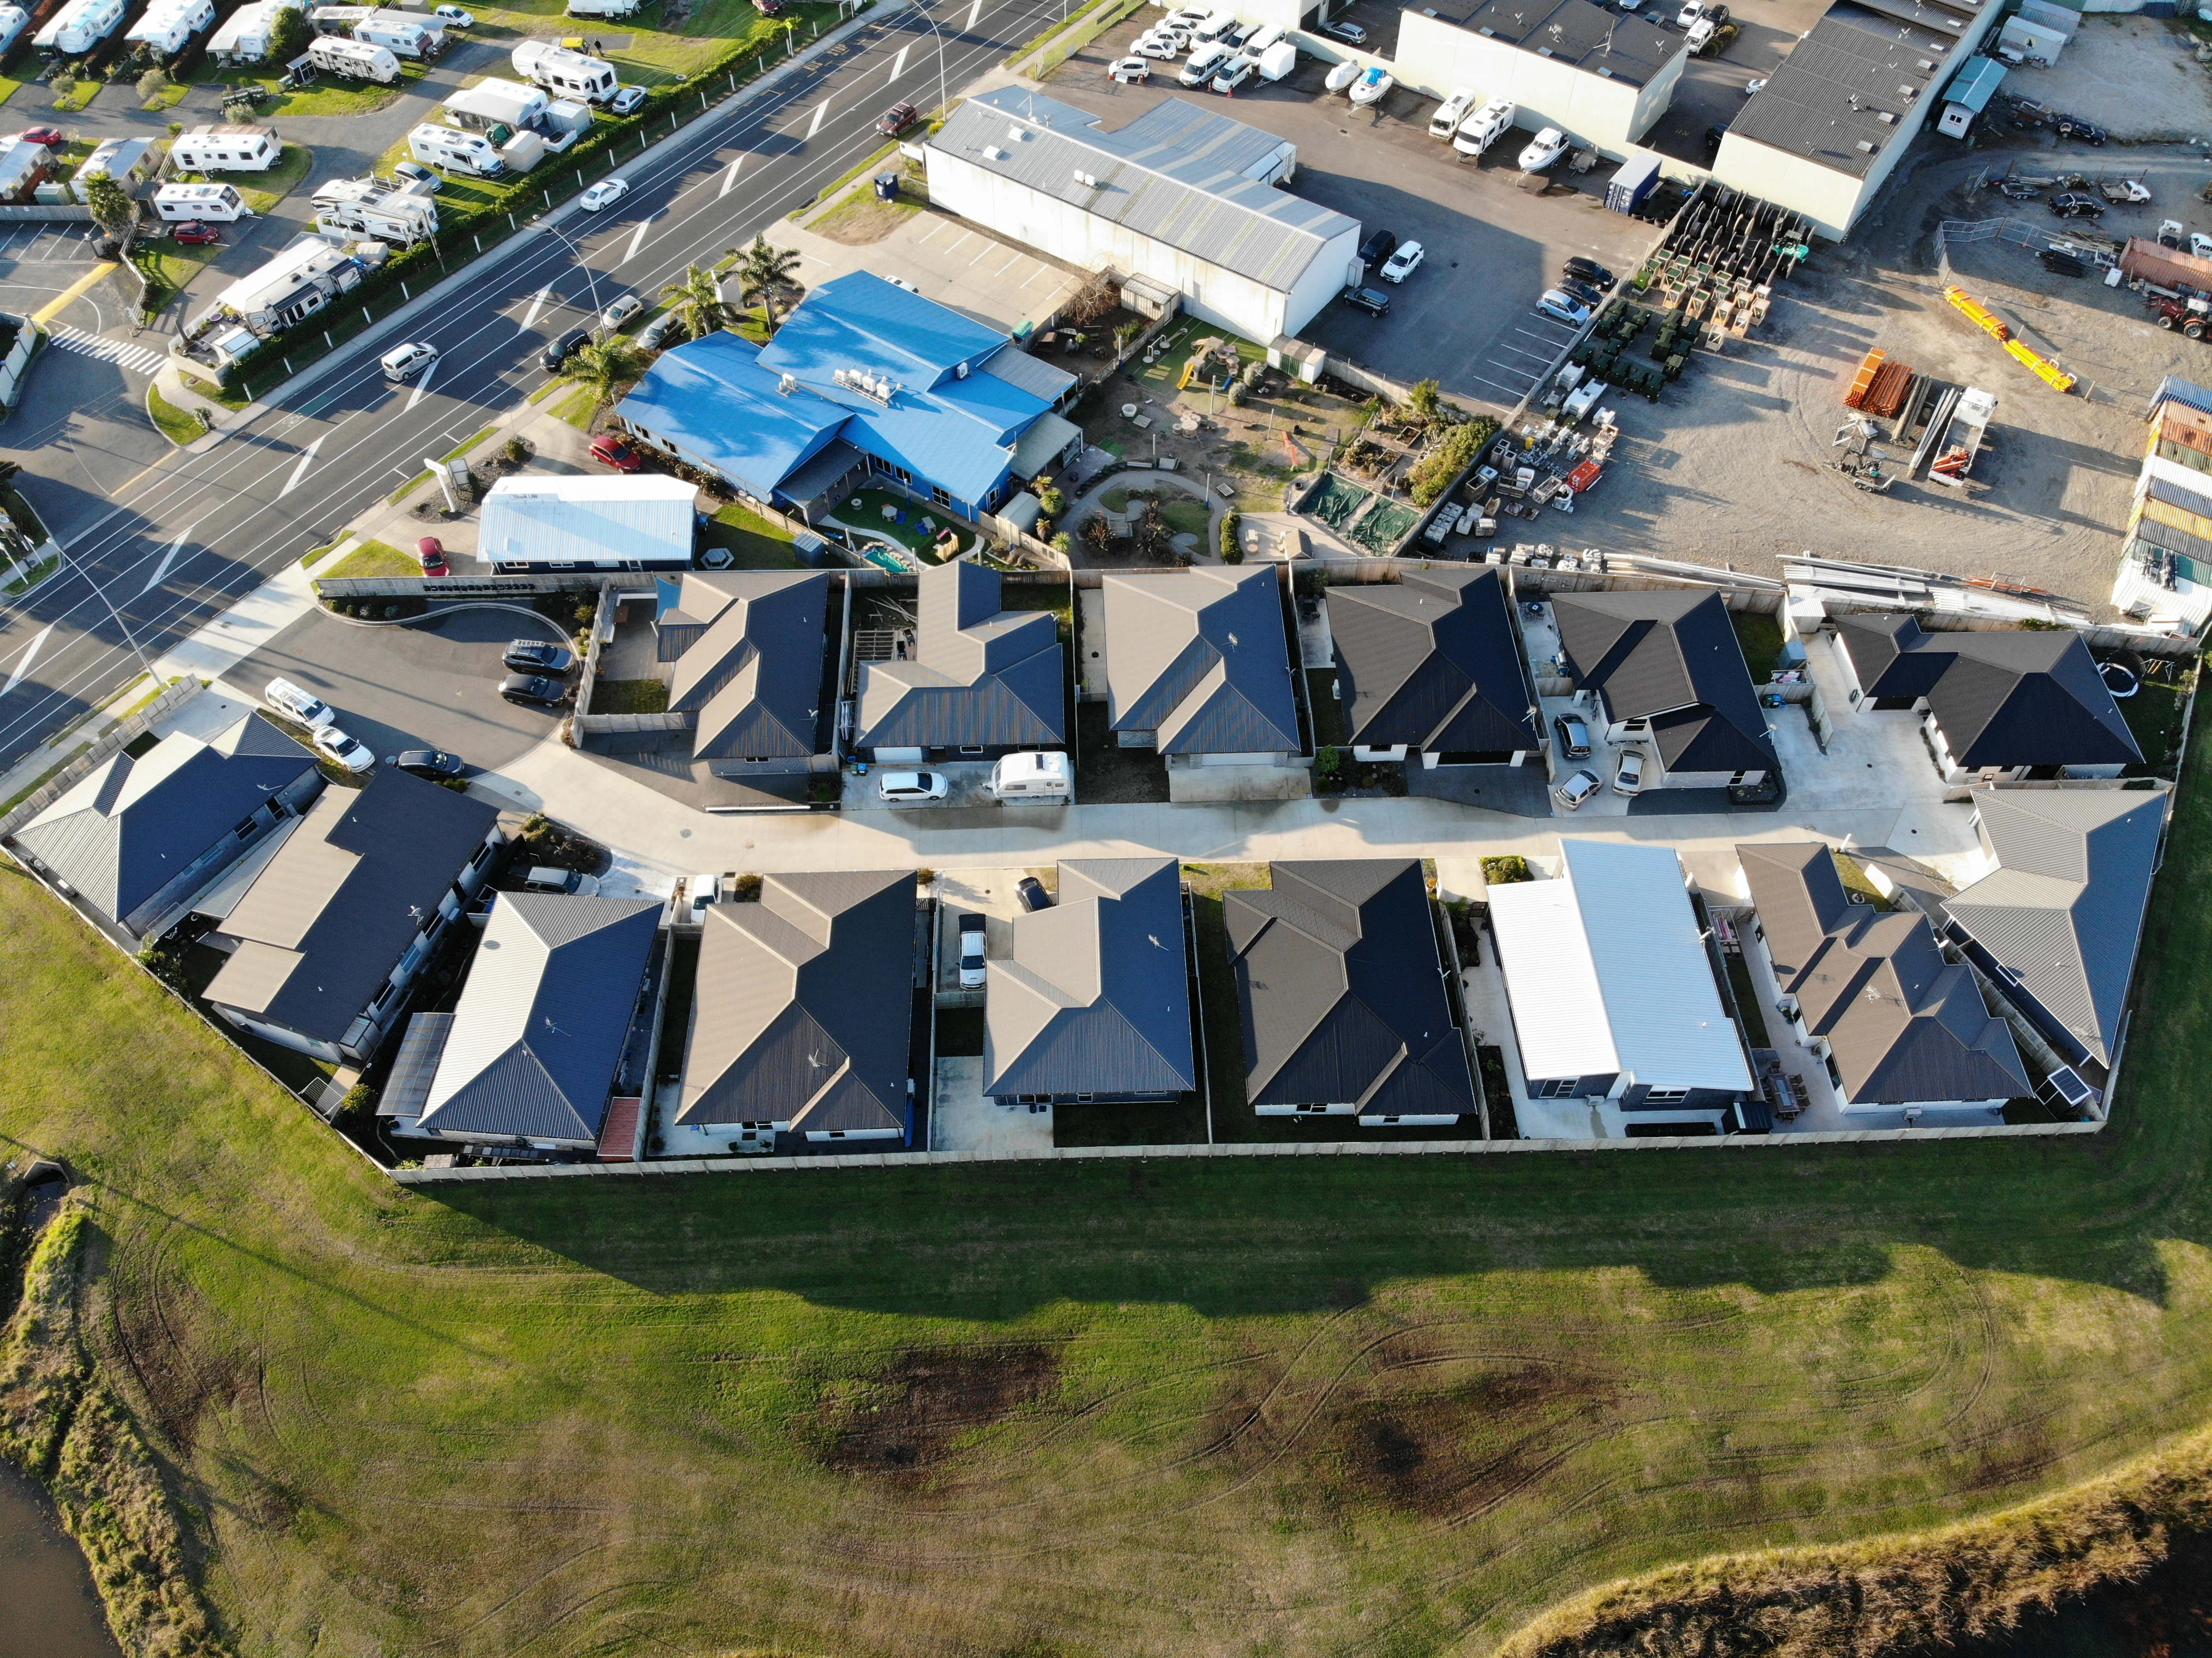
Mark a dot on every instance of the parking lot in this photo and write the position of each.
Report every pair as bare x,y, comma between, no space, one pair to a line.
434,684
1465,316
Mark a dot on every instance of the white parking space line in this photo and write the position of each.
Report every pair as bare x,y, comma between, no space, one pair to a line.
730,179
536,305
23,663
167,559
636,241
815,125
307,459
422,386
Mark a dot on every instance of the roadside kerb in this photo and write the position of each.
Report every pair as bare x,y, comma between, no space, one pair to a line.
545,222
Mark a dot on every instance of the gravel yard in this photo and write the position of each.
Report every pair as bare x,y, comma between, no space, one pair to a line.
2137,77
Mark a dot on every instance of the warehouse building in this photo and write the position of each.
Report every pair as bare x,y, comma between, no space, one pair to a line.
1832,121
1182,195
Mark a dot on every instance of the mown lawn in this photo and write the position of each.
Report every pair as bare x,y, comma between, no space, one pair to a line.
1318,1406
374,558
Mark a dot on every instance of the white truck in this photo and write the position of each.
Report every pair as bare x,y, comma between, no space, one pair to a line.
169,25
570,74
470,153
212,204
243,148
354,60
371,207
79,27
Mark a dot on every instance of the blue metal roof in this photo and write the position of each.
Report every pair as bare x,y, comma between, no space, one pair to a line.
859,320
1973,84
716,403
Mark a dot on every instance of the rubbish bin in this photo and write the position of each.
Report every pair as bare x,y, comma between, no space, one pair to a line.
887,187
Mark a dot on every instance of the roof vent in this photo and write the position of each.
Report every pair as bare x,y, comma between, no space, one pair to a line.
960,372
1486,29
1018,135
1867,147
1088,180
787,383
1543,52
992,152
1605,72
1927,64
1908,92
1885,118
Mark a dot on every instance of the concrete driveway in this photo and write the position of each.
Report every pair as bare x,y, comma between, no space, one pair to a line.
434,684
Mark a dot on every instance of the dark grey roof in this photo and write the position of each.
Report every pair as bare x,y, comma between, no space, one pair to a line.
1591,38
329,918
1200,657
2064,908
1178,174
1827,100
1340,985
1433,662
130,827
1904,1026
980,676
1670,656
1094,998
754,675
803,1005
539,1031
2005,699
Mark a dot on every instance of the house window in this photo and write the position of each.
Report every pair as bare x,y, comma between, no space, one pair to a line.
1556,1089
903,475
1085,1099
975,749
1666,1096
941,495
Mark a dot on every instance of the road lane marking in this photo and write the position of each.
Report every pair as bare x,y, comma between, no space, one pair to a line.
898,63
730,179
636,241
815,125
140,360
307,459
973,12
422,386
529,317
23,663
167,559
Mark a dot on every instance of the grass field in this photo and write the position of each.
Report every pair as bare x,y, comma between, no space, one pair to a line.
1313,1406
375,558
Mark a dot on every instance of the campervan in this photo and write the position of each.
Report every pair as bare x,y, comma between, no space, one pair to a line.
169,25
210,204
469,153
243,37
1037,774
495,102
14,20
559,70
227,149
404,37
602,8
371,207
79,27
355,60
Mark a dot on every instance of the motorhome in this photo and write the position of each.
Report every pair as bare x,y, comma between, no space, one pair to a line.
243,37
1040,774
373,206
79,27
468,153
494,102
226,149
602,8
169,25
286,289
405,37
572,74
213,203
353,60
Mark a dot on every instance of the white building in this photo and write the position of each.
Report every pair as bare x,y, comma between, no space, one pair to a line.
1182,194
2165,567
639,522
1832,121
1615,1006
1599,77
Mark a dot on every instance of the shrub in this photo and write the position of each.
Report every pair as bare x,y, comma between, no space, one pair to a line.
1232,550
1328,768
1507,871
1447,458
515,450
746,889
1238,395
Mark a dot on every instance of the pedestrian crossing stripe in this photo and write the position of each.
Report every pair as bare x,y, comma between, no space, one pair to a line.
139,359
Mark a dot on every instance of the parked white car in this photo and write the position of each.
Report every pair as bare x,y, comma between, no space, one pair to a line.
1402,263
605,194
403,363
1577,790
347,751
294,703
908,787
1545,148
1480,129
1628,772
454,16
1129,71
1562,307
1161,48
1234,74
1451,112
620,312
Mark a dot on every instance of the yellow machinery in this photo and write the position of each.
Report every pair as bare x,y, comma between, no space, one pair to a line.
1994,326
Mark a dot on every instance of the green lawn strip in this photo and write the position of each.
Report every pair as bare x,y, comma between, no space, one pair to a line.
179,426
322,98
172,93
628,696
754,543
80,93
9,88
374,558
308,561
230,399
1759,637
1400,1403
578,408
2153,714
469,444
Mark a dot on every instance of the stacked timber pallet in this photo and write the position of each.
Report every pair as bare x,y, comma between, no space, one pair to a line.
1880,386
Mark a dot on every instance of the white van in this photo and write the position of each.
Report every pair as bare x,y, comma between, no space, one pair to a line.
1257,46
1032,774
294,703
1205,64
1215,27
403,363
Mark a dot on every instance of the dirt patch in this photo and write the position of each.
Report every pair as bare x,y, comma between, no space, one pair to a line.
180,1375
918,1415
860,219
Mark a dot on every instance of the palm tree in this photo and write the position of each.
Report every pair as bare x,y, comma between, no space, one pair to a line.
697,302
604,368
763,272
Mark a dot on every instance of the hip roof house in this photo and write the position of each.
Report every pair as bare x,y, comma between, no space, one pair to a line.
802,1010
750,652
1339,981
1432,665
138,839
1664,669
983,680
1869,991
325,941
863,376
528,1057
1093,1002
1198,665
1993,705
1183,195
1612,994
2057,920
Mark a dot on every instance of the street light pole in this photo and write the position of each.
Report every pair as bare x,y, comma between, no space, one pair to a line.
128,638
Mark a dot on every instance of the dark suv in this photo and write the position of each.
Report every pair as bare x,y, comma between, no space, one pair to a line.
2076,205
557,352
1378,247
1373,300
1573,735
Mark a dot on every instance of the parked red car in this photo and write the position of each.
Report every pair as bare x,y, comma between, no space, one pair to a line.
52,138
432,552
617,454
193,234
896,120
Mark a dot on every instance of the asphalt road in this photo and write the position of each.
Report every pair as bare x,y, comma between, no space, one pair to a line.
181,541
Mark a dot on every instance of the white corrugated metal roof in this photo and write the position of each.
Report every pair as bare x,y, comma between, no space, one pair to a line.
1605,972
587,520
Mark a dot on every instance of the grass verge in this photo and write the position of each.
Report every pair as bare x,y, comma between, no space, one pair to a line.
233,400
179,426
374,558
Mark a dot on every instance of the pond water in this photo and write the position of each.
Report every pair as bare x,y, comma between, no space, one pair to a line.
51,1609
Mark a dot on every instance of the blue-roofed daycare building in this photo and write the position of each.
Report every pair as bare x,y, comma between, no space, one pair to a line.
865,377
